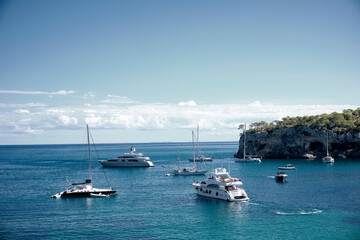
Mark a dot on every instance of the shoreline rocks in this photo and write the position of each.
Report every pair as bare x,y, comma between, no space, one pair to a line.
299,142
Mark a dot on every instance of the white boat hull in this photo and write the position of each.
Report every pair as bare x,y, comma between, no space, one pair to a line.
107,163
328,160
238,195
205,159
254,160
189,173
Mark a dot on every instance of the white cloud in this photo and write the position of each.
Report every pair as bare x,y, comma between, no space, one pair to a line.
22,111
24,105
117,99
61,92
66,120
152,116
190,103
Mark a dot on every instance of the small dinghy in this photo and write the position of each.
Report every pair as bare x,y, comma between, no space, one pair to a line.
281,177
99,195
288,167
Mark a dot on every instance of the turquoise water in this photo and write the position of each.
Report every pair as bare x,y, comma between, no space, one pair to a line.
320,201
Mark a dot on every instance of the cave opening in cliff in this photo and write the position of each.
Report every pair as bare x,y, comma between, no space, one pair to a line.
316,146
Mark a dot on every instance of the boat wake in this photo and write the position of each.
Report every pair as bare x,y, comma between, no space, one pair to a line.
302,212
271,176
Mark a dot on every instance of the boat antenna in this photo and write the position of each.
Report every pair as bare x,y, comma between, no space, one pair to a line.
88,138
97,153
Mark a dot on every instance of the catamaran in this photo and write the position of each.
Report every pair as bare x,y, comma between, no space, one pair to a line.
85,189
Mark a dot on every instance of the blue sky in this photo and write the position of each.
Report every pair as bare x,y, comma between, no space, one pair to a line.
148,71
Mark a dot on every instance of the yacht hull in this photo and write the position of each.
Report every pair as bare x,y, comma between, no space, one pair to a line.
106,163
232,196
75,194
190,173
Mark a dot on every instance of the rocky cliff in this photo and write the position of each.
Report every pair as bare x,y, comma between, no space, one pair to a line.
299,142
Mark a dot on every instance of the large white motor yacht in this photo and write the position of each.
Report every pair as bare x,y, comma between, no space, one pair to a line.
130,159
222,186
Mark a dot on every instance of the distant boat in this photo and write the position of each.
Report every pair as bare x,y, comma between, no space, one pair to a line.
198,157
84,189
281,177
130,159
288,167
328,158
187,171
221,185
247,158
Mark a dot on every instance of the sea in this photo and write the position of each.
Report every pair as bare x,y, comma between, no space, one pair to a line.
319,201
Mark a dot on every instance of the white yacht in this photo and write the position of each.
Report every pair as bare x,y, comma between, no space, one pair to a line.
222,186
328,158
130,159
247,158
85,189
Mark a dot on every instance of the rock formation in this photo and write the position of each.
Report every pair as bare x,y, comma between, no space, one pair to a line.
299,142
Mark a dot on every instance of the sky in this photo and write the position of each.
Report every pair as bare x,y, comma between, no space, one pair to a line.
151,70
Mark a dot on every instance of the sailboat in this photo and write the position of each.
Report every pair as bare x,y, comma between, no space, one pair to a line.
187,171
198,157
247,158
85,189
328,158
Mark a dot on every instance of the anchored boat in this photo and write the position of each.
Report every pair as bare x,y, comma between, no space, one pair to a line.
84,189
221,185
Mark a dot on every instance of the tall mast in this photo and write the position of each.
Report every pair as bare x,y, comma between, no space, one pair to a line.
88,138
197,141
178,159
193,140
327,143
244,140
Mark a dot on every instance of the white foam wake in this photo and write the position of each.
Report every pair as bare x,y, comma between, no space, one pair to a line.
302,212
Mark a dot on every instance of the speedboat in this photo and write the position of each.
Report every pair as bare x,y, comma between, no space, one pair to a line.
130,159
281,177
84,189
288,167
221,185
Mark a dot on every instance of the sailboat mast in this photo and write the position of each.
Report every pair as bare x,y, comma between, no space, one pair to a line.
244,140
88,138
327,143
193,141
197,141
178,159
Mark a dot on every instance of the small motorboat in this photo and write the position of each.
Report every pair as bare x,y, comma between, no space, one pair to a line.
288,167
281,177
101,195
